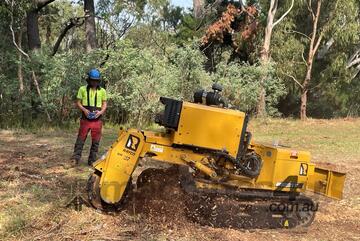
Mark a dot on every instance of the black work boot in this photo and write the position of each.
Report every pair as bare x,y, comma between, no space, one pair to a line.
79,144
93,152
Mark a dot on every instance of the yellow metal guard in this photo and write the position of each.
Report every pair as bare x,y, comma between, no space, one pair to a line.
327,182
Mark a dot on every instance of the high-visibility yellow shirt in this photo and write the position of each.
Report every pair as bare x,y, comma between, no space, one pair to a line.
100,94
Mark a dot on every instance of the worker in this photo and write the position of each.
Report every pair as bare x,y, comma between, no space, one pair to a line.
91,100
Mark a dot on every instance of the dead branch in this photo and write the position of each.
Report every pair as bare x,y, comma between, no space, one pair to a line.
309,6
354,59
302,34
11,4
294,79
42,3
303,57
73,22
36,83
284,15
32,176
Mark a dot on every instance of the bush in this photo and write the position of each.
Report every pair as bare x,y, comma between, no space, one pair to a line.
241,84
136,78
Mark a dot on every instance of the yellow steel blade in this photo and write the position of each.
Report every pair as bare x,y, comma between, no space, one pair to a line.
327,182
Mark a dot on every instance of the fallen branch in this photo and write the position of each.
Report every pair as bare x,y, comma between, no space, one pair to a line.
33,176
36,83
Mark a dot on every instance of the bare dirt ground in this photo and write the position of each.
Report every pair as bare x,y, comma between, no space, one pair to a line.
35,187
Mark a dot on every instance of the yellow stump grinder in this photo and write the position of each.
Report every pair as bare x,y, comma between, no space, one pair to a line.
217,155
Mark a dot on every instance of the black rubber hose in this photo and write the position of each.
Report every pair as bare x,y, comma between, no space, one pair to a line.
256,163
210,98
255,160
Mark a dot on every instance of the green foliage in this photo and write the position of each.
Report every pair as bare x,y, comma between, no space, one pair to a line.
188,29
149,49
336,82
136,79
242,85
61,77
329,94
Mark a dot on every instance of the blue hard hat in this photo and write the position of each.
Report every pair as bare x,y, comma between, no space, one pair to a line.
94,74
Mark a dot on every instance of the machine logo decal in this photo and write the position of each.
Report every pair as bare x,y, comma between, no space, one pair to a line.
132,143
289,184
303,169
156,148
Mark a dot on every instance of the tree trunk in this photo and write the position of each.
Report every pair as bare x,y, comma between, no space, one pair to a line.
33,35
32,23
34,42
354,62
90,28
303,106
261,105
48,33
313,48
20,69
304,91
199,6
265,52
264,58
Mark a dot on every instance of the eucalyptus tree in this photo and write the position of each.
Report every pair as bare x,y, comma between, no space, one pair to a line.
271,22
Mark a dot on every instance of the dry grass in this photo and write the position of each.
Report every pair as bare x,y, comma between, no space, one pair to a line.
334,141
35,186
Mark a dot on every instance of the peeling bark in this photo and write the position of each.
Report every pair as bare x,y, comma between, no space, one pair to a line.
199,7
265,52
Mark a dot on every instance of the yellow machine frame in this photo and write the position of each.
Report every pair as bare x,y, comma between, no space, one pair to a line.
283,169
213,141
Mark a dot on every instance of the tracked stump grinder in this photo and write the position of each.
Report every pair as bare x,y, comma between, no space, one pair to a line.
216,155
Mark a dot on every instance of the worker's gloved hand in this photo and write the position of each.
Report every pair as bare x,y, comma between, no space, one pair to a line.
86,112
98,114
92,116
